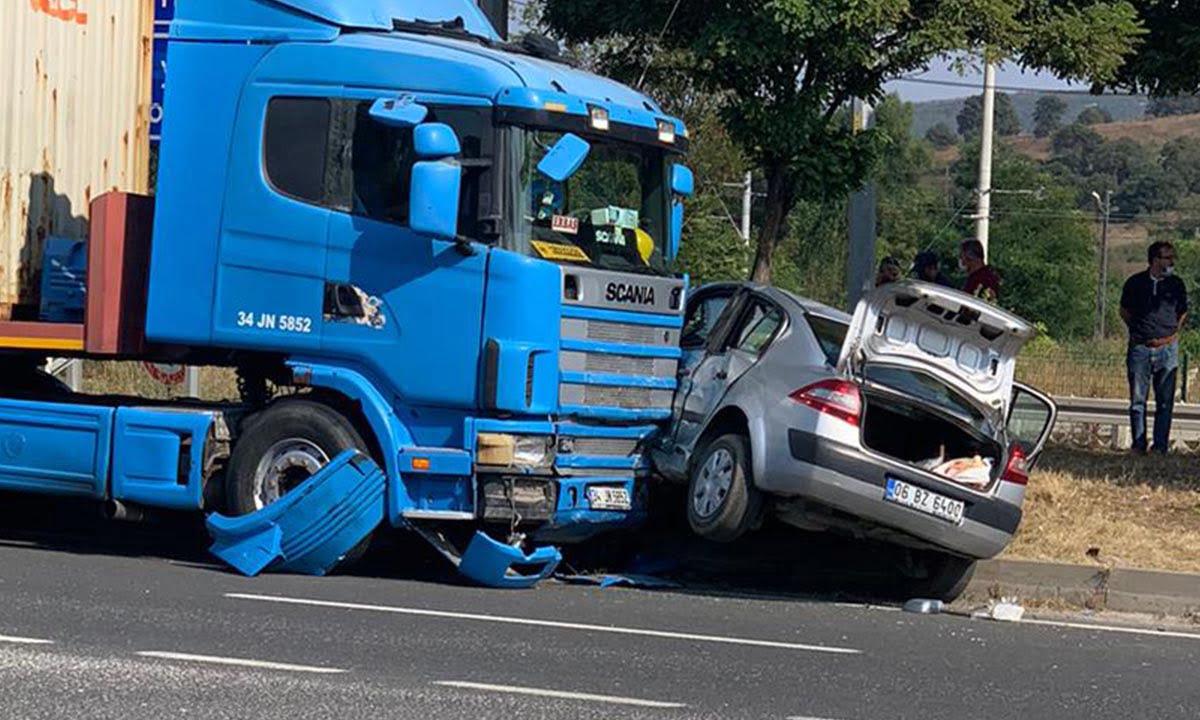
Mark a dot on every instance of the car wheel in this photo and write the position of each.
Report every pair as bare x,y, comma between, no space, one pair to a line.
722,502
281,447
945,577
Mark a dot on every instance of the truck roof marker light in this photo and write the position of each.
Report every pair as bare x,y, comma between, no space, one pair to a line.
666,132
555,107
598,117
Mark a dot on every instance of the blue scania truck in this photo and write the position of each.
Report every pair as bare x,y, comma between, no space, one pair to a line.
440,263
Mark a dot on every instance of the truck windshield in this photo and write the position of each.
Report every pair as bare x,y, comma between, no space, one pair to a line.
610,214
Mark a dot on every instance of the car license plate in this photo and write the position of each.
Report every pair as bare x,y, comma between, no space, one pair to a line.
609,498
922,500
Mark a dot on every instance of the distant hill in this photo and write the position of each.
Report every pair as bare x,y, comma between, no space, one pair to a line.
1122,108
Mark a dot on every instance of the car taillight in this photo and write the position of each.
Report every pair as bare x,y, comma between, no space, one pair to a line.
1017,469
839,398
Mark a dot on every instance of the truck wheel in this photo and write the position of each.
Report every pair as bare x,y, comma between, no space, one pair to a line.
945,577
281,447
722,501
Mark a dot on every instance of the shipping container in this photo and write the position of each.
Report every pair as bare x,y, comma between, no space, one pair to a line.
76,83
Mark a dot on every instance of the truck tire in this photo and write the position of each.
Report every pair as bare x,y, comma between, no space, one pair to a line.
281,447
945,578
722,502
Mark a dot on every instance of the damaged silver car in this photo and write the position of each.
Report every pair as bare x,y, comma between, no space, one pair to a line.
903,423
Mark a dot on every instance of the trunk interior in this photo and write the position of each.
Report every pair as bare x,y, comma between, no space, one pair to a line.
918,436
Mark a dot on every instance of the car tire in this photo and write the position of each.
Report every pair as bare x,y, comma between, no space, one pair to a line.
722,502
281,447
945,578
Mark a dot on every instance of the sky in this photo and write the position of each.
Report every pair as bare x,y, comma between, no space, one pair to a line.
1008,76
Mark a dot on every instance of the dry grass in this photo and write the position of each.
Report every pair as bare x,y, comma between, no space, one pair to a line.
1129,512
130,378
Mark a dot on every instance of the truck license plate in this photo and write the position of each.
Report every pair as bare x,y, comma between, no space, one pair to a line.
609,498
922,500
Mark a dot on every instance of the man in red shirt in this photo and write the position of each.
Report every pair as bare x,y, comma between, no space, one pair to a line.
982,280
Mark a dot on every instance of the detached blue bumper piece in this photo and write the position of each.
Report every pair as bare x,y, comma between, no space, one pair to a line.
312,528
494,564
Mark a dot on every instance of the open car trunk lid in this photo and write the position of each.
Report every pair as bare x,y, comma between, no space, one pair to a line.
966,343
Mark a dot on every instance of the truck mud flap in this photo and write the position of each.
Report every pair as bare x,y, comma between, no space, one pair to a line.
311,529
491,563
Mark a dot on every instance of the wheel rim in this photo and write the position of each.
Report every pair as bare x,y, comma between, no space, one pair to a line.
713,483
285,465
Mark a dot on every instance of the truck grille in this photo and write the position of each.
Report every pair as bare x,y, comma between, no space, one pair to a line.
620,333
616,447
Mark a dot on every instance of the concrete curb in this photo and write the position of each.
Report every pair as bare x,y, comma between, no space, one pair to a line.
1095,587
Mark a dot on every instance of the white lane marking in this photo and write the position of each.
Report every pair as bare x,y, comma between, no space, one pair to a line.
559,694
24,640
241,662
805,717
1112,628
546,623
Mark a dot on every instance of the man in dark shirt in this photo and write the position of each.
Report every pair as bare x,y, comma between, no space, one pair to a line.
982,280
1154,305
927,267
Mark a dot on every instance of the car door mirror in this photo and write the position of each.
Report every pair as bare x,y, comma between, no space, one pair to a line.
436,182
1031,420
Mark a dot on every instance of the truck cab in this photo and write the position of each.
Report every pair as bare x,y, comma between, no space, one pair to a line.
462,246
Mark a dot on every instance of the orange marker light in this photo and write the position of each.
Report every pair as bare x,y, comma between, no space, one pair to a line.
420,464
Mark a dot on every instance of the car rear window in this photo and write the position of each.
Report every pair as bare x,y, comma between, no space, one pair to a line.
831,335
928,389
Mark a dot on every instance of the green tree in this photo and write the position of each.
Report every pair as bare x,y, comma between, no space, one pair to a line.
970,118
1048,115
1176,105
1151,190
941,136
1121,160
1074,148
1093,115
1166,59
1181,158
782,69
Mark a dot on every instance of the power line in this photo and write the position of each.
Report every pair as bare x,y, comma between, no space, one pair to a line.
1010,88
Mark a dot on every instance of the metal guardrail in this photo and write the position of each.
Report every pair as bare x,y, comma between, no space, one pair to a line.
1115,412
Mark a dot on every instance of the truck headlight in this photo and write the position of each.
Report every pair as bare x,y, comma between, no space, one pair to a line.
516,451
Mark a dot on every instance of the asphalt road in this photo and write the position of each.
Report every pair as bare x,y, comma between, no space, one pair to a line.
133,624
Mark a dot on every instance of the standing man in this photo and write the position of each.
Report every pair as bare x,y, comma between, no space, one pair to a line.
889,271
982,280
1154,306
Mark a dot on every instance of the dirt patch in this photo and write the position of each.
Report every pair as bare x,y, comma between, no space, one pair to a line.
1112,510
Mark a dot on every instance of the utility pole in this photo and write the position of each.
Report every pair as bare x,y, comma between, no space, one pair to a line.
860,263
747,206
986,139
1104,208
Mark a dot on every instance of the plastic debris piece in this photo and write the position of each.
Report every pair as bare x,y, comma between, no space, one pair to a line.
922,606
646,582
312,528
494,564
1006,611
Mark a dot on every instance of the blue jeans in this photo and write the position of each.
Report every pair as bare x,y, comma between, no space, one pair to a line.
1157,367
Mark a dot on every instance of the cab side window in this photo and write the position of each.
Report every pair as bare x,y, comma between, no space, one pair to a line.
296,146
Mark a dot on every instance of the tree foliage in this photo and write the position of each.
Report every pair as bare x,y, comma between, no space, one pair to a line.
1048,115
781,69
1181,158
1174,105
941,136
1093,115
970,118
1166,59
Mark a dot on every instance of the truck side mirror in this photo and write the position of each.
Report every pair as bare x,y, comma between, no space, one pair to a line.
565,158
436,182
683,185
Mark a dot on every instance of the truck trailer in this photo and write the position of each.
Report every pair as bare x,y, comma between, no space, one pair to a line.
439,262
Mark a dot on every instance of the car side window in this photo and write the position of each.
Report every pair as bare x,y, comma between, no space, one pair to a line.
702,317
762,322
831,336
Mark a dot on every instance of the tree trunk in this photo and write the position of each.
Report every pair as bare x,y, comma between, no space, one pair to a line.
781,197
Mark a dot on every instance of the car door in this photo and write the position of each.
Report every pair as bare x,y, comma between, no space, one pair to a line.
1030,421
744,332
